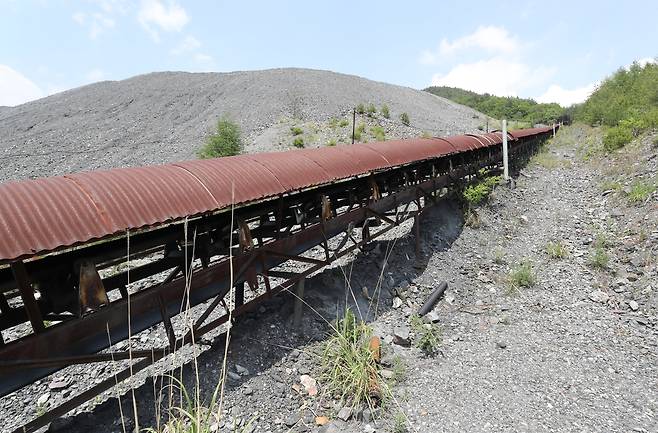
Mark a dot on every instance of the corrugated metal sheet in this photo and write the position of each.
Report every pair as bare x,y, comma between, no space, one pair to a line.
38,216
520,133
399,152
292,169
236,179
43,214
463,143
142,196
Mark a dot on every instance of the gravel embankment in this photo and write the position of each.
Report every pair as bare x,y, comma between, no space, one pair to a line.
166,116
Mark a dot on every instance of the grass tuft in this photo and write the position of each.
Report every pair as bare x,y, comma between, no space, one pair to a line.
556,250
640,191
600,259
522,276
385,112
404,118
349,371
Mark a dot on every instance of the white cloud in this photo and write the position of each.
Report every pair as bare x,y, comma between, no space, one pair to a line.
202,57
95,75
490,39
96,23
154,16
190,43
498,76
15,88
566,97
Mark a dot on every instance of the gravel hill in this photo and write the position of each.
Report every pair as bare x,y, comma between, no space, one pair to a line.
166,116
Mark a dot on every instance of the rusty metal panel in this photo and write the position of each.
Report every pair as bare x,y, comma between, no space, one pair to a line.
234,180
292,169
44,214
463,143
137,197
333,161
399,152
521,133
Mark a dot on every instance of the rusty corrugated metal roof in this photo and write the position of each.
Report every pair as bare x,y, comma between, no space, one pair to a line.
38,216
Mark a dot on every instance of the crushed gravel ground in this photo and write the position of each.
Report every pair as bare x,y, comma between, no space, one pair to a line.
166,116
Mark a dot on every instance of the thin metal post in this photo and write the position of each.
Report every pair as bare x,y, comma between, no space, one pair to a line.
353,123
505,155
299,304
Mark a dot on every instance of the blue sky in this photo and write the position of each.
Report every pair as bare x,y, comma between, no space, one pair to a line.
551,51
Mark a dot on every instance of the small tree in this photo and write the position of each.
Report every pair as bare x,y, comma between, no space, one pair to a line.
385,112
404,118
225,141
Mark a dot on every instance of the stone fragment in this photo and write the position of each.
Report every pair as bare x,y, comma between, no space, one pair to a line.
599,296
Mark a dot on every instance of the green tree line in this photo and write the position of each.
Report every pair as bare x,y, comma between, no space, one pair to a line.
499,107
626,104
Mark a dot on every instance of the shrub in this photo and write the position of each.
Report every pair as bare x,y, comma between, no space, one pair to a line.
600,259
371,110
378,132
640,191
426,134
428,335
477,193
343,123
360,109
296,130
331,142
225,141
523,275
333,123
298,142
404,118
385,112
349,371
616,138
556,250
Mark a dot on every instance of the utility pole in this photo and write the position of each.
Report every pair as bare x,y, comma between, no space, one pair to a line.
505,160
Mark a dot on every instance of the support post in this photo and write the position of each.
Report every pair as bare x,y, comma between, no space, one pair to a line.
505,153
553,129
239,294
27,295
299,304
353,123
417,235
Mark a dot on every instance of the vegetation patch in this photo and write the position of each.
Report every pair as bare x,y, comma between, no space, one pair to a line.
349,371
343,123
556,250
331,143
499,107
522,276
625,103
478,192
298,142
371,110
404,118
360,109
225,141
296,130
600,258
427,335
640,191
378,132
385,112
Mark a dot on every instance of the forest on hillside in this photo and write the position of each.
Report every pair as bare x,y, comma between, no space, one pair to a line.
500,107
